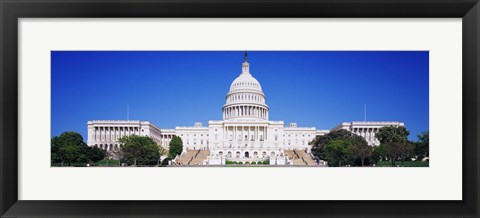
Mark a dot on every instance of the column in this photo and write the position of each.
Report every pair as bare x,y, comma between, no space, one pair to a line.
265,137
244,131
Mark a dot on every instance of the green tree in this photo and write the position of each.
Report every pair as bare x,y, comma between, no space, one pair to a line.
94,154
361,151
379,152
319,143
67,148
394,139
175,147
390,134
406,151
422,145
140,150
337,151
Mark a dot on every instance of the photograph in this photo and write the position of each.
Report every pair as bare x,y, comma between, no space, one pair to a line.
319,108
239,108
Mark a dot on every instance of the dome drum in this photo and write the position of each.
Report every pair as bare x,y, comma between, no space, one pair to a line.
245,111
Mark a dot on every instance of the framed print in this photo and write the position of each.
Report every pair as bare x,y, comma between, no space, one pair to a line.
265,108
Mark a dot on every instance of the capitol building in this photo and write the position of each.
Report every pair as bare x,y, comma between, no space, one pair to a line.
244,135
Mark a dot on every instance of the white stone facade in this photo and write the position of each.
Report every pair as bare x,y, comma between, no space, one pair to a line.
244,134
105,133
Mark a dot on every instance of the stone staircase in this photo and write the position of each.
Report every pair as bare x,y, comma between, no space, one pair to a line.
306,158
200,157
300,157
193,157
293,156
187,157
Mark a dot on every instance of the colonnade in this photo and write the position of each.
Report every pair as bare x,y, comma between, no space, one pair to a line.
109,133
108,147
368,134
245,111
252,133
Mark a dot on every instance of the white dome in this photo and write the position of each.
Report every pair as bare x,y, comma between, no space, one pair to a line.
245,82
245,99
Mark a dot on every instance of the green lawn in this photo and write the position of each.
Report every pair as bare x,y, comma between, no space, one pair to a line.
66,165
102,163
406,164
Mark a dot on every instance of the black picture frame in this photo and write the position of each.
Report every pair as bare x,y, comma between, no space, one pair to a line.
11,11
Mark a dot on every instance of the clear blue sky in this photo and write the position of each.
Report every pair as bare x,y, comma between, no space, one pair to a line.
177,88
